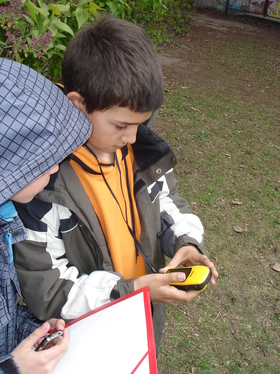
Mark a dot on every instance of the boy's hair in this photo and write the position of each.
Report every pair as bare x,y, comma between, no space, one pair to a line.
113,63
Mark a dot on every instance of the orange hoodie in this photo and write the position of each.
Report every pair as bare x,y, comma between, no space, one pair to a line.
114,217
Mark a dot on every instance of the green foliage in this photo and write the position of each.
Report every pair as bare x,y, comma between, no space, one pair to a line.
121,9
160,18
36,33
179,15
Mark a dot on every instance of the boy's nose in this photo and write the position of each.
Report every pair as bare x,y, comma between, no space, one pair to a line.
130,136
54,169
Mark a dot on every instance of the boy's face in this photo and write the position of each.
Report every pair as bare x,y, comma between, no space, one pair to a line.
113,129
29,192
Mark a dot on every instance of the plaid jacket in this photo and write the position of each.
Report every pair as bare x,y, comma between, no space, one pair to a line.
16,322
39,127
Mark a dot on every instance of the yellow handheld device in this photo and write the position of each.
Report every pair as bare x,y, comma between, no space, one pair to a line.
197,278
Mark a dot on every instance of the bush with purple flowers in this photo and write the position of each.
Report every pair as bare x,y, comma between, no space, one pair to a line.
36,32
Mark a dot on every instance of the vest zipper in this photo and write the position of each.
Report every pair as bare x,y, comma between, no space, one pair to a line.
94,247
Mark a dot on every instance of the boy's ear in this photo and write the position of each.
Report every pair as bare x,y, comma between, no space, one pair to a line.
77,100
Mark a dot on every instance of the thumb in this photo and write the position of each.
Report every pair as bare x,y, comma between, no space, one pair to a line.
38,334
175,277
171,265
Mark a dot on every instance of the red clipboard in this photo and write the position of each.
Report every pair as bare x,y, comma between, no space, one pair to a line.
114,338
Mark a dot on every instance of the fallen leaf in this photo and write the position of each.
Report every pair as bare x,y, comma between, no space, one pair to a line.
236,202
237,229
275,266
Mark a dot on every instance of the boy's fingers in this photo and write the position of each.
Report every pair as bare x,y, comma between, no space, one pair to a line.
171,265
57,324
65,337
38,334
211,266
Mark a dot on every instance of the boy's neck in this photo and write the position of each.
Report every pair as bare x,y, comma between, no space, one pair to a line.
102,156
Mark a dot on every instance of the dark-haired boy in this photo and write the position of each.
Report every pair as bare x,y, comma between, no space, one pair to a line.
112,212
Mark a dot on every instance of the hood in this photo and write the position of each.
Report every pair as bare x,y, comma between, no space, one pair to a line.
39,127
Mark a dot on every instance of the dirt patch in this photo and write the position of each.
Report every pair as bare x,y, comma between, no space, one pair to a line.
208,30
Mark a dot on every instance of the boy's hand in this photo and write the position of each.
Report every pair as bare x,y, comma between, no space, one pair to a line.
160,291
189,255
41,362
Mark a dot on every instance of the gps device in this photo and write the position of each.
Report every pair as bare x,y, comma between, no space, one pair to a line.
47,339
197,278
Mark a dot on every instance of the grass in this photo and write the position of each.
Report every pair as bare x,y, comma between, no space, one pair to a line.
225,128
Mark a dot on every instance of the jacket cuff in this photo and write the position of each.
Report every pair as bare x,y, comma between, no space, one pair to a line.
123,287
9,367
186,240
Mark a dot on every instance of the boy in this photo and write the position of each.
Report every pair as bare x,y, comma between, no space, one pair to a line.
39,126
112,213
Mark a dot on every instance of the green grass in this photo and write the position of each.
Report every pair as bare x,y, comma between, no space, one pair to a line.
225,128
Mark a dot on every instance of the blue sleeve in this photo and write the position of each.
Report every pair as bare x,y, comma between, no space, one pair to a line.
26,323
9,367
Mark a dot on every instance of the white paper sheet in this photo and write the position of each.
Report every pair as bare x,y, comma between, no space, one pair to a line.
113,340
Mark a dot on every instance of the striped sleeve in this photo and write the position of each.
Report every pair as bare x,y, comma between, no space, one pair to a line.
178,223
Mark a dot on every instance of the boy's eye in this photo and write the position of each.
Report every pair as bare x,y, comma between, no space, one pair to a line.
121,127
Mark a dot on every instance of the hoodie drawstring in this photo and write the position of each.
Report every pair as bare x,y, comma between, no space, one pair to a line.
8,213
9,241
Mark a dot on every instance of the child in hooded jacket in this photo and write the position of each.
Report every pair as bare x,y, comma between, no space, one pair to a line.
39,127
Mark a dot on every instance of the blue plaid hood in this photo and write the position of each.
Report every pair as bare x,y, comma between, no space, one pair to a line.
39,127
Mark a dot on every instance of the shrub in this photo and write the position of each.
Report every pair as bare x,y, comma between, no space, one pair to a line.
36,33
160,18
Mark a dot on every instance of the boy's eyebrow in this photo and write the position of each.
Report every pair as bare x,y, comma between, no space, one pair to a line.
127,123
131,123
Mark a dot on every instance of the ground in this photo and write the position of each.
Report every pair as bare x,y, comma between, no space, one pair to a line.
207,29
235,327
